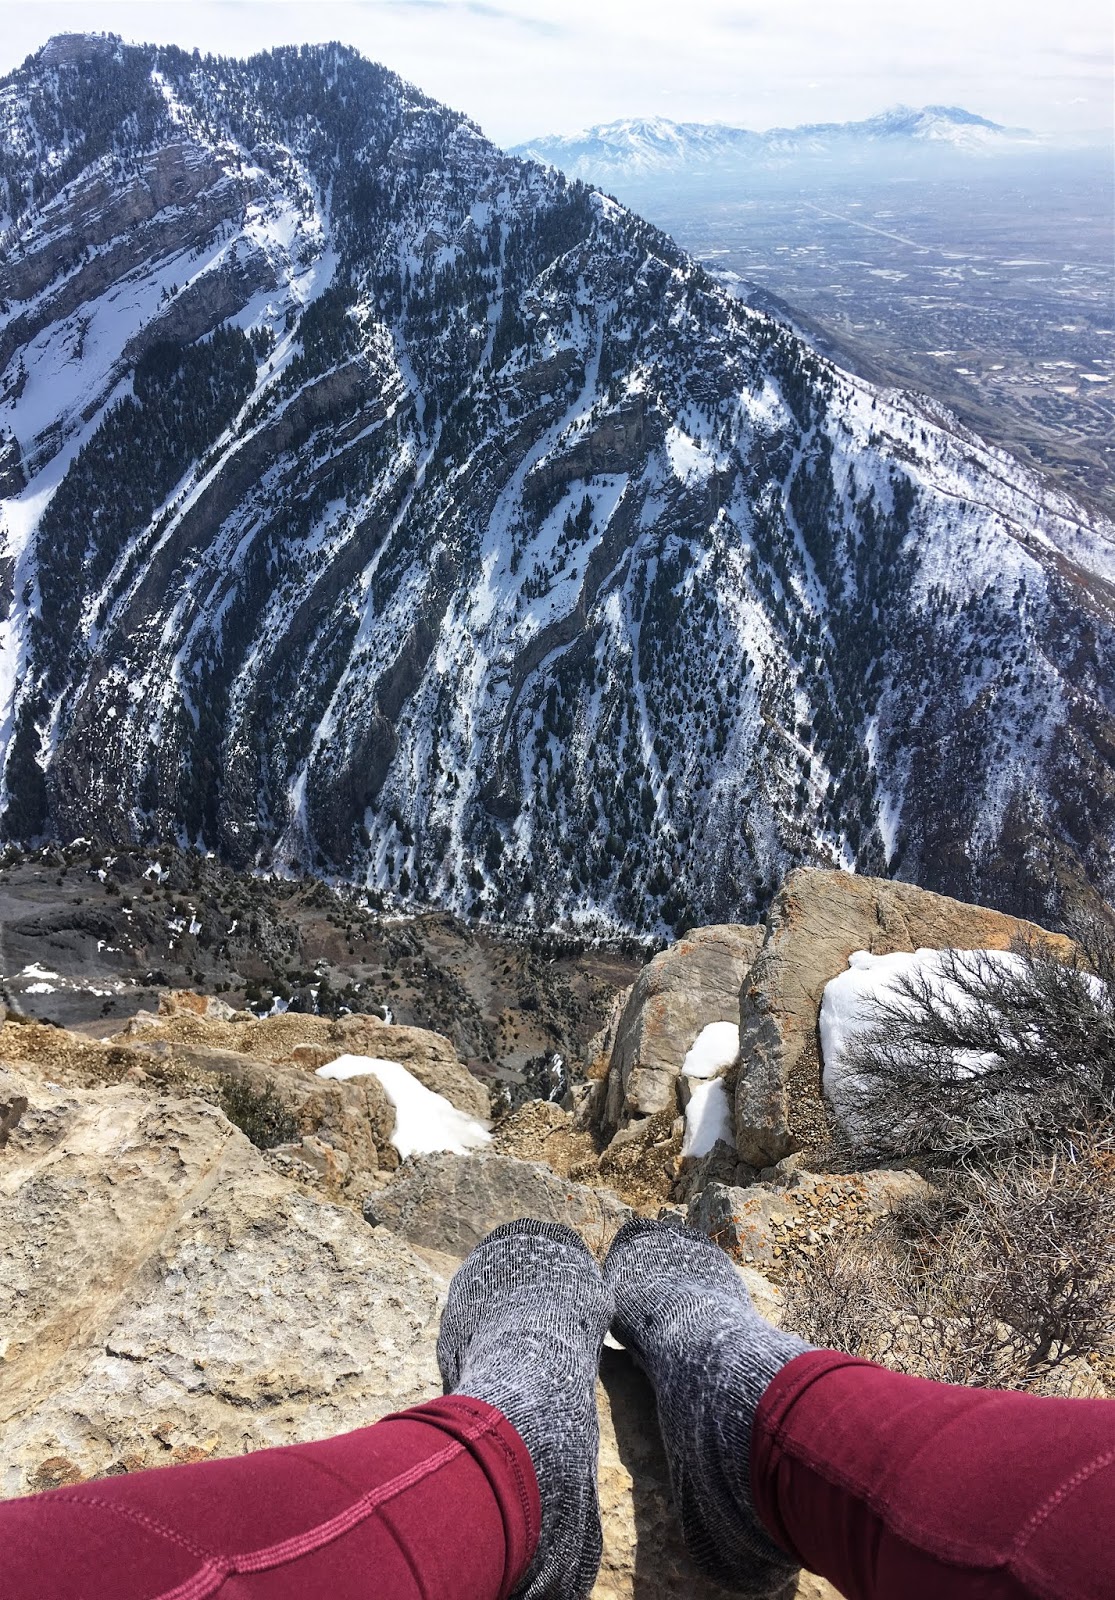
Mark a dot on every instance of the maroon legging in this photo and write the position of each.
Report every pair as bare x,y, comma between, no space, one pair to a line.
888,1486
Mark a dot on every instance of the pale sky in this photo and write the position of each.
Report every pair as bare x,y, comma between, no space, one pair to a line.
525,67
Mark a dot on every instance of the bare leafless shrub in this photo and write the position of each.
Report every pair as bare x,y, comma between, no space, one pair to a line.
998,1279
988,1057
1042,1240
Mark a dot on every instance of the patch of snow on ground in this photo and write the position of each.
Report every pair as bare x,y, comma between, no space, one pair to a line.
424,1121
33,970
716,1046
688,457
708,1118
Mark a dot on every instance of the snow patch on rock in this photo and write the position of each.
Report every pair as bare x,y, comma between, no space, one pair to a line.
715,1047
424,1121
851,1003
708,1119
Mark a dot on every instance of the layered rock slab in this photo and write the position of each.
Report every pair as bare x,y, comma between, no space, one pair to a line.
167,1297
449,1202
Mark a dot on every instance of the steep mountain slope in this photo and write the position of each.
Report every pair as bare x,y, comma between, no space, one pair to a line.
382,503
637,148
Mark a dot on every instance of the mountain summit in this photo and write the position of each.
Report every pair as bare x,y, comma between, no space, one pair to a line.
381,503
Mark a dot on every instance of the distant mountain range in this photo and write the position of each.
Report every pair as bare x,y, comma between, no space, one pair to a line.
652,147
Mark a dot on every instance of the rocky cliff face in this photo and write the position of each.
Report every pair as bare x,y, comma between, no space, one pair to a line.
383,504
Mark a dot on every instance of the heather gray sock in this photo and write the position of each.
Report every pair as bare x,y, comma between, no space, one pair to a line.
522,1329
685,1314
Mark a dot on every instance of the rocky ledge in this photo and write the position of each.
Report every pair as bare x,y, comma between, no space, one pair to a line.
171,1292
169,1296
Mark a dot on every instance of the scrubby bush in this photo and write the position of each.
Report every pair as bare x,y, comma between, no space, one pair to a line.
259,1113
995,1056
997,1279
995,1074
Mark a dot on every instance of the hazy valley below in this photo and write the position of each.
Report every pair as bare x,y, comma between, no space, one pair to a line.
994,291
980,270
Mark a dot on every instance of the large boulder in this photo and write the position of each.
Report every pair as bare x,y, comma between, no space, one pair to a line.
693,983
817,920
448,1202
354,1116
166,1296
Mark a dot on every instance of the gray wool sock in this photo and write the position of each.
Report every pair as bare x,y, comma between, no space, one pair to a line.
522,1329
685,1314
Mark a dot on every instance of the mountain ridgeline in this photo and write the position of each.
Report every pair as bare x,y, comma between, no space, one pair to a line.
638,150
382,505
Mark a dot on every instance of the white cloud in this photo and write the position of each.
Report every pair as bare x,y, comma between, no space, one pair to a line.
521,67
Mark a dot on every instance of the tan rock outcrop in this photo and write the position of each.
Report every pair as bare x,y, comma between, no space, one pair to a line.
166,1297
354,1118
817,920
597,1053
693,983
310,1042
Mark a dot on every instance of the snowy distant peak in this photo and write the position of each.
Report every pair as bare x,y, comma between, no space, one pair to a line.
651,146
634,145
642,146
948,124
928,123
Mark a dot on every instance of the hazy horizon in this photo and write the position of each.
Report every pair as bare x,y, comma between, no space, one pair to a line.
522,69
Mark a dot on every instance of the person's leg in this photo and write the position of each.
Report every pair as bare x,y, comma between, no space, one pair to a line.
891,1487
683,1312
488,1492
895,1486
523,1329
437,1503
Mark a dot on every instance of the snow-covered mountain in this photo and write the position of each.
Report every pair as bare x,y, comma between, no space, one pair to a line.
639,148
378,502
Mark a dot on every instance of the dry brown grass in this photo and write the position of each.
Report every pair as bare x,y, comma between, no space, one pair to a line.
1002,1279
